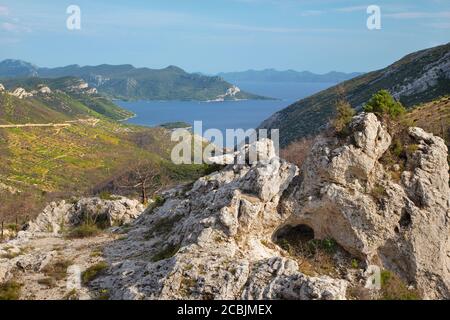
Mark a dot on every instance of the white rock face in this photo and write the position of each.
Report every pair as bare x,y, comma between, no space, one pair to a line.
229,94
44,89
2,88
346,194
21,93
59,215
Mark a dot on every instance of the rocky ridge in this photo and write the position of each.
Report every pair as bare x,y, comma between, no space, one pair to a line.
219,238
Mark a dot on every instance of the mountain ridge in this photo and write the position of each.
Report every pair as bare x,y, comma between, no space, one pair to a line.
273,75
127,82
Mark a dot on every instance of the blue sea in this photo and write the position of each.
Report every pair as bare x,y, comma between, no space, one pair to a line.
244,114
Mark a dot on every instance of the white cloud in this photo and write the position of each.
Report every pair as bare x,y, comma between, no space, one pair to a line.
12,27
4,11
352,9
309,13
249,28
418,15
439,25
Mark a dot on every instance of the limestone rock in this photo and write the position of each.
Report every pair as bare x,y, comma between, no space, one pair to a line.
21,93
345,193
2,88
206,242
43,89
56,216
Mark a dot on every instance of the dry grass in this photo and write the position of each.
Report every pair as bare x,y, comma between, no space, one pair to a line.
58,269
93,272
10,290
393,288
297,151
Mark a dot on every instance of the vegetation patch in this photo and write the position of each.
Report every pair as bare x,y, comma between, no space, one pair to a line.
163,226
58,269
382,103
93,272
72,295
10,290
393,288
166,253
344,115
314,256
84,231
298,151
48,282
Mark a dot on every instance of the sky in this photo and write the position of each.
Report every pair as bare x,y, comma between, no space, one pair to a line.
212,36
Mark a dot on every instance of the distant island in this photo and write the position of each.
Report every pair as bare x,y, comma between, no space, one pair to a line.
272,75
125,82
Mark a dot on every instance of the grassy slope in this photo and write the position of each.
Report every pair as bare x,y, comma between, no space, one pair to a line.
433,117
307,116
55,163
68,103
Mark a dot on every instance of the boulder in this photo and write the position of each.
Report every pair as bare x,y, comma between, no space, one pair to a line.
21,93
57,216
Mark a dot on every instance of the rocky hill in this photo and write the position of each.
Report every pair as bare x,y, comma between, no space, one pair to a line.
54,100
419,77
269,230
129,83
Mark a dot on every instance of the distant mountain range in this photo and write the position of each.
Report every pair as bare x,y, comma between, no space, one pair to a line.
129,83
419,77
272,75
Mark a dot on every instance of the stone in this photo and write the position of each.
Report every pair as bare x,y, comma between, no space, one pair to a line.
346,194
56,216
21,93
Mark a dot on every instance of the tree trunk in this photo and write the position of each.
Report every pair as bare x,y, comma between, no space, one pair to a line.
144,194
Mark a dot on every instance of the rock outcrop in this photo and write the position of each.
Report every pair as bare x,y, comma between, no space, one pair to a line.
345,193
21,93
43,89
218,238
57,216
212,241
2,88
215,239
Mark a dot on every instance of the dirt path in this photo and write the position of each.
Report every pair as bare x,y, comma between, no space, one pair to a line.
90,121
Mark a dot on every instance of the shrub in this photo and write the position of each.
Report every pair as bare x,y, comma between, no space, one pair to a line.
105,195
383,103
344,116
393,288
57,270
93,272
85,230
379,192
10,290
298,151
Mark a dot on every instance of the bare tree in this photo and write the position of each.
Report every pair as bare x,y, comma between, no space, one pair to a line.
147,177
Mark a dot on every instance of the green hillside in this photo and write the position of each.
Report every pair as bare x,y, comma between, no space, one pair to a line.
419,77
71,103
40,164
